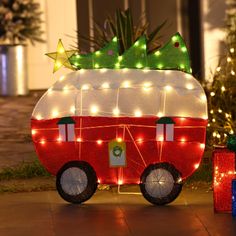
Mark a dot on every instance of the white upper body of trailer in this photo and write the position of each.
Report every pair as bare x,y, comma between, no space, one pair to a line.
123,92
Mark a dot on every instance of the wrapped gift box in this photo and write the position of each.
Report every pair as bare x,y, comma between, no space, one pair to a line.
223,174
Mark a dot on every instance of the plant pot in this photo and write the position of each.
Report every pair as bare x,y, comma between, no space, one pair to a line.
13,70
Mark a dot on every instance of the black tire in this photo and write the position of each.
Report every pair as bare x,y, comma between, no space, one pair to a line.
160,183
76,182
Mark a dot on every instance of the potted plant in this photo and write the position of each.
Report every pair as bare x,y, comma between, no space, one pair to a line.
20,23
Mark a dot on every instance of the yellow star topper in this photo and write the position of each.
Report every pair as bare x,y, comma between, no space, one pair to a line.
61,57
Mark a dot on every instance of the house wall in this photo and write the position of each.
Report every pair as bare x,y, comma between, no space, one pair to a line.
212,23
59,21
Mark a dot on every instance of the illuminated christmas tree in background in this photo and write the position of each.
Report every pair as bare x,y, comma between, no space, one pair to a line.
222,91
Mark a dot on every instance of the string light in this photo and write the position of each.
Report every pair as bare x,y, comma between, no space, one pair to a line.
79,140
33,131
160,66
120,58
85,87
231,50
211,111
219,110
94,109
157,53
42,141
116,111
232,72
96,65
203,98
99,142
231,131
212,94
139,65
55,113
229,59
189,86
103,70
120,182
147,86
222,88
168,88
213,120
196,165
160,114
202,145
105,85
174,38
137,113
126,84
119,140
38,117
72,109
218,69
97,53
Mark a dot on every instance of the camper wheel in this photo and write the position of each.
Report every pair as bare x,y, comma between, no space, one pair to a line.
76,182
160,183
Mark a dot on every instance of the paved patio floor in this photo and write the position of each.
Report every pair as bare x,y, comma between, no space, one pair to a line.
107,213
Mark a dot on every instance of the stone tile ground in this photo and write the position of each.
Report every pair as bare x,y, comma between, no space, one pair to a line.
15,136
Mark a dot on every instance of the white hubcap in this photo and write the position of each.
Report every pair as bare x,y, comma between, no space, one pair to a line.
74,181
159,183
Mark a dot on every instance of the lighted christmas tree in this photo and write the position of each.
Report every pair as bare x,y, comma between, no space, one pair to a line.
222,92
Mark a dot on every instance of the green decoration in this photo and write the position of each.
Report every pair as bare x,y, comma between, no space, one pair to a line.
135,56
165,120
231,143
174,55
106,57
66,120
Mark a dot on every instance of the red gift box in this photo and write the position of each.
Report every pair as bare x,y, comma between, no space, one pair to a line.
223,173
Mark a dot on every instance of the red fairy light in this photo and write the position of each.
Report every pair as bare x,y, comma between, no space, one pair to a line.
42,141
79,140
99,142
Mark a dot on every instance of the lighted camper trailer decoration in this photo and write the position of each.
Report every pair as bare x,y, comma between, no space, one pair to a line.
122,125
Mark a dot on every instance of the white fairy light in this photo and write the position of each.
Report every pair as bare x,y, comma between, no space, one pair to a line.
218,69
38,117
160,114
168,88
232,72
116,111
231,50
85,87
189,86
147,86
94,109
55,113
212,94
203,98
62,78
105,85
103,70
137,113
72,109
223,88
229,59
126,84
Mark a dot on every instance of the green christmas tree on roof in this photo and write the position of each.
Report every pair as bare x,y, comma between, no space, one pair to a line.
173,56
